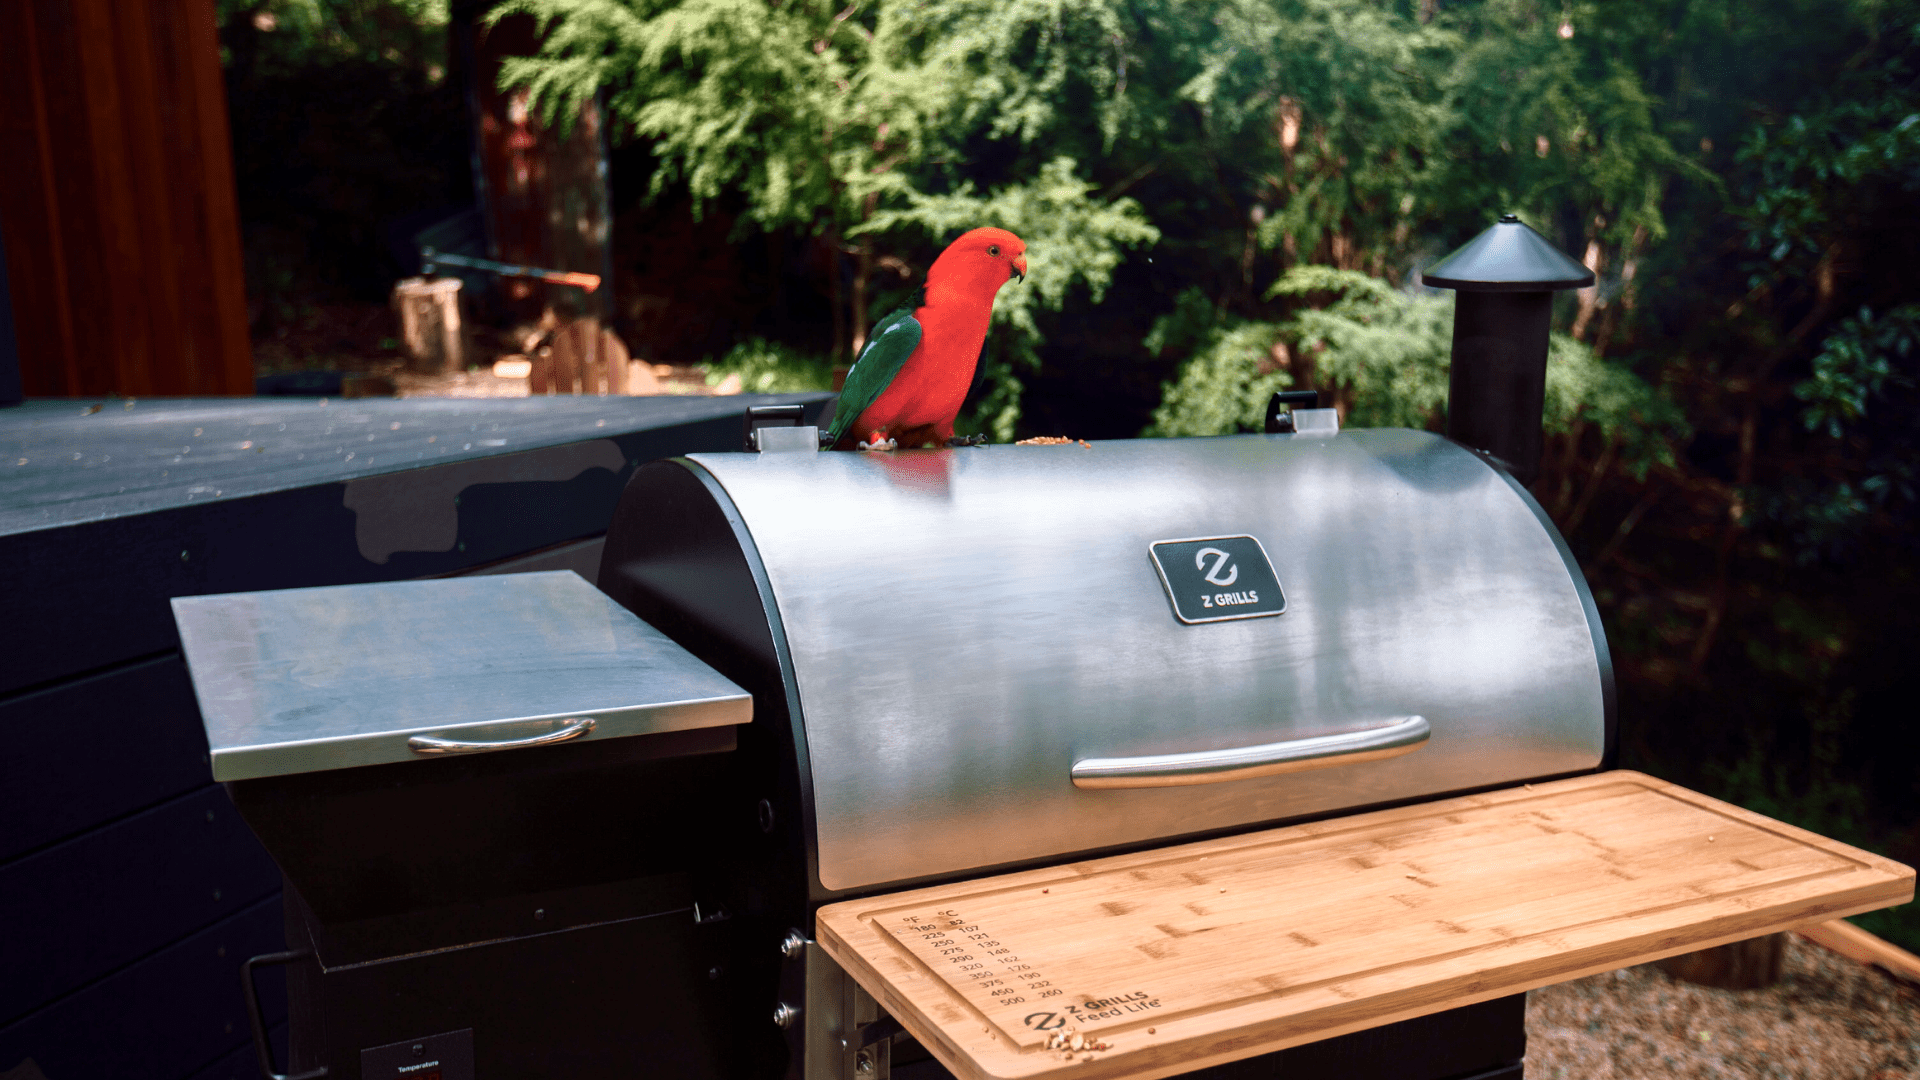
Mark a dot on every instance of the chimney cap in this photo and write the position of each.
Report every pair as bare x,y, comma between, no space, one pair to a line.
1508,257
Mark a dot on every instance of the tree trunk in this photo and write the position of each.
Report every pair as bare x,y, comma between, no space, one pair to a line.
1589,297
834,299
1743,965
862,276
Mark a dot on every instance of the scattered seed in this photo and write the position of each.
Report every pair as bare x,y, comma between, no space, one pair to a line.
1150,1031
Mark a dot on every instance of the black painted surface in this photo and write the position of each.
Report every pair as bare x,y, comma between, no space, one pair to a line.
93,546
1497,382
243,1063
155,455
164,1018
387,840
674,558
77,911
96,749
618,1000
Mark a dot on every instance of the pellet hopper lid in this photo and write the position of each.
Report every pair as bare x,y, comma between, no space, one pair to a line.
304,680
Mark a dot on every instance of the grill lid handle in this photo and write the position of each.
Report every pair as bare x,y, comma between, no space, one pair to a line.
571,728
1402,736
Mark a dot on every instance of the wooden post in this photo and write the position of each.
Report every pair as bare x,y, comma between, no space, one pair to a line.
575,370
1741,965
431,329
544,197
117,199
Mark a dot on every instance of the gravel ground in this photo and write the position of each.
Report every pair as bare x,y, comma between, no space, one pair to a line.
1830,1018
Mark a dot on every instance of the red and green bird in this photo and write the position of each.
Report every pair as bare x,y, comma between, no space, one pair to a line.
910,380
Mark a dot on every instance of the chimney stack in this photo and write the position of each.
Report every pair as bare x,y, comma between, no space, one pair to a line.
1505,279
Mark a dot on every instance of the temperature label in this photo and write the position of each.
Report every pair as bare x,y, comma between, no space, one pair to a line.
1006,983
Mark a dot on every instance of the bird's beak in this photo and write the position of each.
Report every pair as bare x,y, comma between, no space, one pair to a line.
1020,268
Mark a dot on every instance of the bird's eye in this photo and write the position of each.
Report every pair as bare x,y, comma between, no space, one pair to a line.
993,250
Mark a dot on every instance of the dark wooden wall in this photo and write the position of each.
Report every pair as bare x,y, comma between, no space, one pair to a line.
117,200
9,354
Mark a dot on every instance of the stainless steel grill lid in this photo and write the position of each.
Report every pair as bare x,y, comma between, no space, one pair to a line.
302,680
1007,654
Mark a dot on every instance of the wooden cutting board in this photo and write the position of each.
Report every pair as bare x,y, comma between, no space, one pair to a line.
1210,952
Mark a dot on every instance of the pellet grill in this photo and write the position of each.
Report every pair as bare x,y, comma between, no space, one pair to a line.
859,765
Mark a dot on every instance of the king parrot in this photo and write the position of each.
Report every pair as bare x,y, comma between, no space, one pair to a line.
911,379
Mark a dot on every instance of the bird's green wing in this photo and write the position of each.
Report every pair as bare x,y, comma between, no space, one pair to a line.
894,339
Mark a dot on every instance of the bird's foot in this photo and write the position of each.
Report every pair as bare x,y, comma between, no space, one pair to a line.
879,444
967,440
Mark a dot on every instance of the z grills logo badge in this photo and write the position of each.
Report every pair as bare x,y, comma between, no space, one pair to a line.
1219,560
1216,578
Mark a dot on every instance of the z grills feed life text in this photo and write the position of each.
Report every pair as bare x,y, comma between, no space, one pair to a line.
1125,759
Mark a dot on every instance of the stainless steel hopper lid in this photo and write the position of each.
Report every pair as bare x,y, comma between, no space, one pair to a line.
304,680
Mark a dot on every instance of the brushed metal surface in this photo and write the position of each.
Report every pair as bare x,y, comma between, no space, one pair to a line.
965,624
1403,736
301,680
557,731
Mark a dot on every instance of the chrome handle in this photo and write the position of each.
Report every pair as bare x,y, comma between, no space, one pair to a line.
433,744
1403,736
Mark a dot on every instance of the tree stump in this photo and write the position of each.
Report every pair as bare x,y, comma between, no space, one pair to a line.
431,329
1742,965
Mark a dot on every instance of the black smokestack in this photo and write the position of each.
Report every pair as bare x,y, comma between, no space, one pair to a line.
1505,279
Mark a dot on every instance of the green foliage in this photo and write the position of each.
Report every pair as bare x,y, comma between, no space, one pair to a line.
1020,70
1556,123
1225,387
767,367
1388,348
1857,363
1812,172
835,120
1360,93
1386,351
777,102
293,34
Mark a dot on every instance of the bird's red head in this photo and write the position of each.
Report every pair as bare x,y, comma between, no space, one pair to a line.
980,261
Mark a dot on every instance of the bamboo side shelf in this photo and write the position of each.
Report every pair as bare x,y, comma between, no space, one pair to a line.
1210,952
